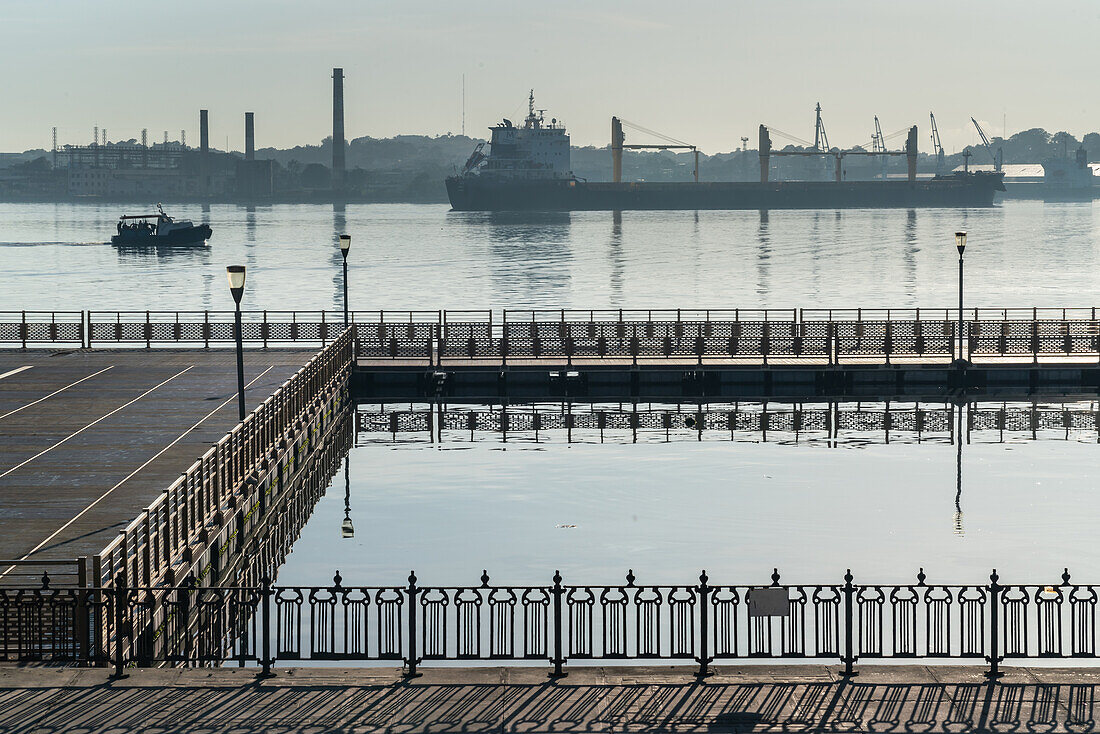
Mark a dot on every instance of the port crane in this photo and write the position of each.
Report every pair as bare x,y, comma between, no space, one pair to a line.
821,142
937,148
618,146
998,157
878,146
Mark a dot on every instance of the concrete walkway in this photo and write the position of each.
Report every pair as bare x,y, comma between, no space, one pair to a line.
620,699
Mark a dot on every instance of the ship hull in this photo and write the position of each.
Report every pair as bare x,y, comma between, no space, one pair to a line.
474,193
175,238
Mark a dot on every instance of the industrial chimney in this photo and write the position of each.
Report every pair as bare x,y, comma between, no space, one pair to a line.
337,128
249,136
204,151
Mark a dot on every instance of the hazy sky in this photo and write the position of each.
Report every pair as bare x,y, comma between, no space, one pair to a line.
704,72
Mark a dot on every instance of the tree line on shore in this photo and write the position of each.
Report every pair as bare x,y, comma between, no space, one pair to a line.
413,167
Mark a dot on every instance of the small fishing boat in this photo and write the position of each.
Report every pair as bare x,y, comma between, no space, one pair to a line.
158,230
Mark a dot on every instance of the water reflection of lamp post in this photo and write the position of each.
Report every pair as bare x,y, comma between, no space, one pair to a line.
236,287
960,244
347,530
959,474
345,245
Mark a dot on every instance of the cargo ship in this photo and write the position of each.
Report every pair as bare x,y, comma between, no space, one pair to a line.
527,168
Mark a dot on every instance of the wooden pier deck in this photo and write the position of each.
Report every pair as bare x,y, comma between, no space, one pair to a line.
90,437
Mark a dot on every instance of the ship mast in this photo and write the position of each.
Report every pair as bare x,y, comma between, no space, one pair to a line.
532,121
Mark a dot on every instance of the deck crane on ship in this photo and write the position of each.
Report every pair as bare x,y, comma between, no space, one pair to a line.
998,157
937,147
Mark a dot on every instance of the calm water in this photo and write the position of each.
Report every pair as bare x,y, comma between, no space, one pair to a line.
669,506
1022,253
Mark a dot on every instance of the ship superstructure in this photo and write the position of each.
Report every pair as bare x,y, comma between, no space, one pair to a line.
536,151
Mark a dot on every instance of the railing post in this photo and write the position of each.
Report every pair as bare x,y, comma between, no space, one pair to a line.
147,553
23,329
1034,337
558,661
830,341
765,338
888,339
849,648
994,658
83,620
265,626
120,593
704,657
412,661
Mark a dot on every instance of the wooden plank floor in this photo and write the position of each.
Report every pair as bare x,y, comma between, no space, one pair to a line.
88,438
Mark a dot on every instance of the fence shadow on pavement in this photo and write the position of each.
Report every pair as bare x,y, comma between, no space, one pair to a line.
420,705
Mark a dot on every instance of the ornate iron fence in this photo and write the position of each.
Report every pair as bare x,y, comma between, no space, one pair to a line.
571,334
699,621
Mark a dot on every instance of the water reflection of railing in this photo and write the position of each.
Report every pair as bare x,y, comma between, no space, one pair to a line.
698,621
576,422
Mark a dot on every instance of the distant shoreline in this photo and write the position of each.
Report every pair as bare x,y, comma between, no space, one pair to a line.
325,198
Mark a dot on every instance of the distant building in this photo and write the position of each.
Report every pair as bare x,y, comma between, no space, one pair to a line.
1017,172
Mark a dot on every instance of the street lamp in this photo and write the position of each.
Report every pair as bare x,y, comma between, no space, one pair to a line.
345,245
236,287
960,244
347,530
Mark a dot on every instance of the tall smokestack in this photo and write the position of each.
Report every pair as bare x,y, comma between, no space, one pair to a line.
204,132
338,128
204,150
249,137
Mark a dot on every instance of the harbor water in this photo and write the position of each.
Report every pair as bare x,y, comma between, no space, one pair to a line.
667,504
405,256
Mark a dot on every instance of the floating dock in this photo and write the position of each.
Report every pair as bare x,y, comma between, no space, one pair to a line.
90,438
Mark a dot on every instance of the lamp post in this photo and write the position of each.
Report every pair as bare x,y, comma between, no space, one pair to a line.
345,245
960,244
347,530
236,287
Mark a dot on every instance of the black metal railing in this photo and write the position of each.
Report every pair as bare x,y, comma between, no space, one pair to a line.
435,337
701,622
28,328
